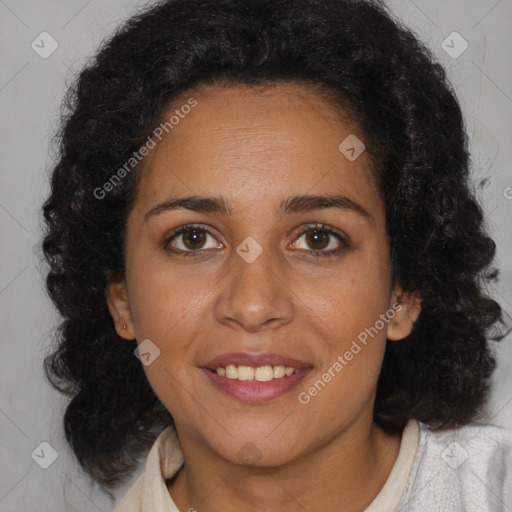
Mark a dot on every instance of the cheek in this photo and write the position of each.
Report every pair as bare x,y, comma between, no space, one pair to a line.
166,309
347,313
354,340
164,298
352,298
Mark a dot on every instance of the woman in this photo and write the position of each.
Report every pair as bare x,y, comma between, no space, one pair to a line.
270,266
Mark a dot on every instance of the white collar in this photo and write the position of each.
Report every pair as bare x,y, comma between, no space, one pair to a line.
149,493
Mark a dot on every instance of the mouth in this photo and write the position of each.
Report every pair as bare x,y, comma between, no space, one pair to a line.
264,373
255,378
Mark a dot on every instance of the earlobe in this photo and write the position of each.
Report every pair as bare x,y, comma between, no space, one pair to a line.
119,307
407,310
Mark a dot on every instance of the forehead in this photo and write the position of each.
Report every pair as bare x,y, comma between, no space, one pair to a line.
252,144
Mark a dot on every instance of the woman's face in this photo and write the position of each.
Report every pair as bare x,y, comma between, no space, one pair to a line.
251,283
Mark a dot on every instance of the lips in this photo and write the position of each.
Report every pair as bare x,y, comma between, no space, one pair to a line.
253,360
254,390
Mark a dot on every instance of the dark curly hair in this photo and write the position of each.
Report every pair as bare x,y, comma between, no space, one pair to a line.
359,56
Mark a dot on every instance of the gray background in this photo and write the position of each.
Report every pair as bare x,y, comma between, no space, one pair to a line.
31,89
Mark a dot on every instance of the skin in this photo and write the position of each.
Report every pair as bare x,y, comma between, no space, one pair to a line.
256,148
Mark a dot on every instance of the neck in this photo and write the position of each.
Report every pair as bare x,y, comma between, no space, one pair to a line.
348,470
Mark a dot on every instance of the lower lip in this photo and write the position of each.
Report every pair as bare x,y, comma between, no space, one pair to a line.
254,391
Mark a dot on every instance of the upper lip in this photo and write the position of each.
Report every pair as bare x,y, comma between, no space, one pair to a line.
253,360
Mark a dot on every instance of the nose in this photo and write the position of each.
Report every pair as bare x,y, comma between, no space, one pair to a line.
255,295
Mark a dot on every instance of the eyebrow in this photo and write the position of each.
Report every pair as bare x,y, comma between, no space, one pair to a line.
294,204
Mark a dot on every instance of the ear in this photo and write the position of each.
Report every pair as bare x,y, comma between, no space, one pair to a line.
117,302
407,307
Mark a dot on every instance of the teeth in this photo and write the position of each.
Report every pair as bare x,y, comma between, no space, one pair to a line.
260,374
231,371
246,373
279,372
264,373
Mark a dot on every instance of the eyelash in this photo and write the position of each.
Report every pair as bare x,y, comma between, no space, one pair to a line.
298,234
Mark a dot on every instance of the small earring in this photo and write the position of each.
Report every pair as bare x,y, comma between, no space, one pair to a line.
124,326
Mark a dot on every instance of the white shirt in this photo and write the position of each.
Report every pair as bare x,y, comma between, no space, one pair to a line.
459,470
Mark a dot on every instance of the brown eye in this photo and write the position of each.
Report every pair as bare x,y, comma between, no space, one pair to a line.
194,238
318,239
190,239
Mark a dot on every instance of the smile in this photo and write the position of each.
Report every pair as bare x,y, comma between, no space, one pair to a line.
260,373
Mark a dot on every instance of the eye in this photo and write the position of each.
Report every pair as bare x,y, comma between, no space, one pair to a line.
194,240
320,240
190,239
